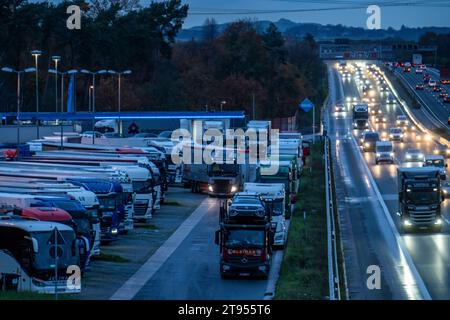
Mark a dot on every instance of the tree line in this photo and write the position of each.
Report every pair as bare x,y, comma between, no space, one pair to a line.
241,69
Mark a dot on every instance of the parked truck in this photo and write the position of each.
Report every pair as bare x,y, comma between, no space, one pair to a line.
276,195
361,116
245,236
419,198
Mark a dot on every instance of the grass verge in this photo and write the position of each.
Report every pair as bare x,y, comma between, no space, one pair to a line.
304,271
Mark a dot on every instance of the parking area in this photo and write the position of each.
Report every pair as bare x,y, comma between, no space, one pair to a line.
122,258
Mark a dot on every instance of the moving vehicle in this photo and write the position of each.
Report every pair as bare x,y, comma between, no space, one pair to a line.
361,116
390,99
384,152
276,194
437,88
339,107
445,187
414,155
441,149
419,195
419,86
369,140
432,83
419,71
245,236
380,119
402,121
27,255
396,134
438,161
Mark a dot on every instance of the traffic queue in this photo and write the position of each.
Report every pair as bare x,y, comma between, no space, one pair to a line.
59,207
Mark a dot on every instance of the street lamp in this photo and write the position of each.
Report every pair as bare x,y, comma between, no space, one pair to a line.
119,74
69,72
56,59
36,54
91,87
93,97
19,74
221,105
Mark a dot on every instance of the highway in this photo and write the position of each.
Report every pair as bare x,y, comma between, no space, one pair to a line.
431,99
429,251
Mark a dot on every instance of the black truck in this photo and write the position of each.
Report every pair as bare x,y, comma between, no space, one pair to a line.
245,236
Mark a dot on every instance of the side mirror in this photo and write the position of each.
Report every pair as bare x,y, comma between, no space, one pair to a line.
217,237
35,245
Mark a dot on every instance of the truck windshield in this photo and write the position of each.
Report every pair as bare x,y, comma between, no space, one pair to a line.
142,186
435,163
223,170
384,148
108,203
278,208
422,196
244,238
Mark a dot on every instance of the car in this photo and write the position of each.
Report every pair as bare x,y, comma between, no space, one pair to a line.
375,110
419,86
419,71
380,119
414,155
402,121
396,134
432,83
339,108
145,135
423,67
407,69
442,150
384,152
445,189
446,99
443,94
89,134
369,139
437,88
390,99
420,137
111,135
438,161
384,88
165,134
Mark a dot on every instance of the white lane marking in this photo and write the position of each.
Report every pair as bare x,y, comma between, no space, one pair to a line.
135,283
401,245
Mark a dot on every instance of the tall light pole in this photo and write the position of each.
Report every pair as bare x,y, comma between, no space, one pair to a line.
93,97
36,54
221,105
56,59
90,97
19,74
119,76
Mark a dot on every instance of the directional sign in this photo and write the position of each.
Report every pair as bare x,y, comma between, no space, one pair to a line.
306,105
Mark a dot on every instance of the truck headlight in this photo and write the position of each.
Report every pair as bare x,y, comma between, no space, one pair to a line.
391,154
438,221
260,213
233,212
234,188
210,188
114,231
406,222
366,144
378,154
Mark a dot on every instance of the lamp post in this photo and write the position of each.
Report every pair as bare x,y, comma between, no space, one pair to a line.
91,87
93,97
221,105
36,54
119,76
54,71
56,59
19,74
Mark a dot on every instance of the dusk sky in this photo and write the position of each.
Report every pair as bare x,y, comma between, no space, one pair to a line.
419,13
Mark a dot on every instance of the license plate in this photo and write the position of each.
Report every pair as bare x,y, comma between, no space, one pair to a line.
244,274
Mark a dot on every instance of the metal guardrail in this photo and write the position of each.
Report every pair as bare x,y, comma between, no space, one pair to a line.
333,268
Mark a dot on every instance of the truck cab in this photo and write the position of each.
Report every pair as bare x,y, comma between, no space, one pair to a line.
419,196
274,193
245,236
438,161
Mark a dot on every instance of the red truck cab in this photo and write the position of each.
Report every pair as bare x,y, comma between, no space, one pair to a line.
47,214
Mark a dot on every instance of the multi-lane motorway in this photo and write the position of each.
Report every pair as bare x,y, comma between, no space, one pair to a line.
368,211
428,98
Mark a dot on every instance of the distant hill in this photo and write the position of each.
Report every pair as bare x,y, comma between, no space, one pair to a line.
324,32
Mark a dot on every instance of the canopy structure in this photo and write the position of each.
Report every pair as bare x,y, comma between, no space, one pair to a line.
48,116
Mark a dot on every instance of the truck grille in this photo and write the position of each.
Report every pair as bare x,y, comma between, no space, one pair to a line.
221,186
422,217
248,260
140,209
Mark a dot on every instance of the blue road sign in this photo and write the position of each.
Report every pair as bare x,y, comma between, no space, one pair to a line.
306,105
